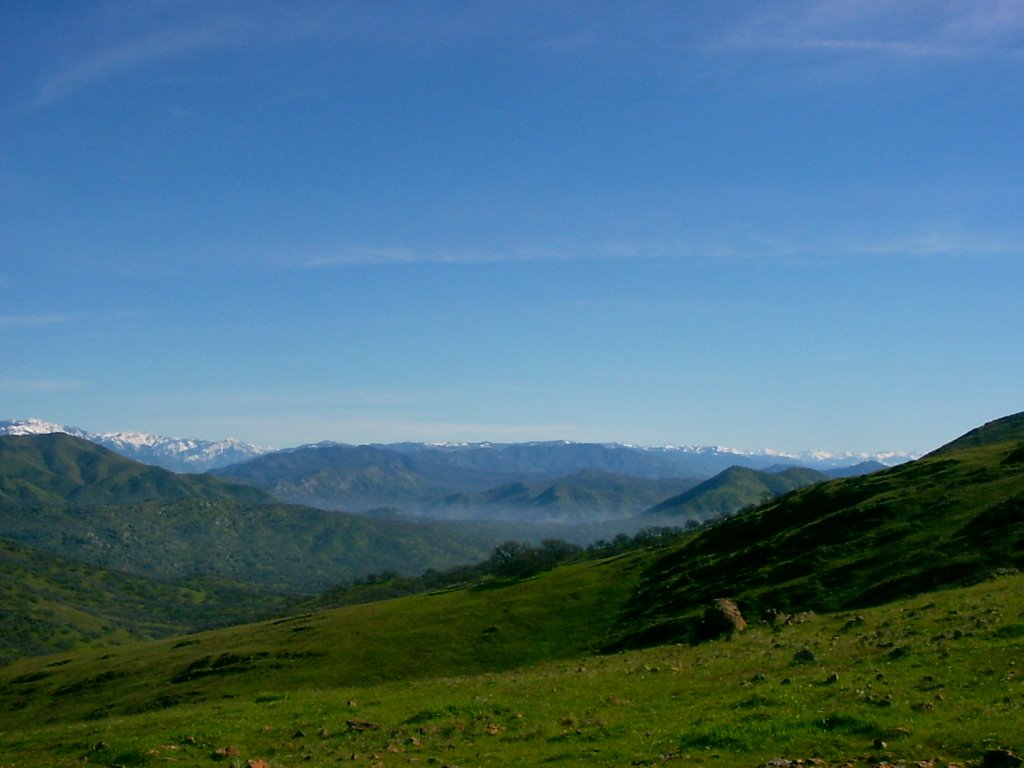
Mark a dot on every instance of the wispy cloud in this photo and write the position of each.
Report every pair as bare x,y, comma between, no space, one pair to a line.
144,35
63,318
918,28
755,245
129,37
22,321
123,56
13,385
354,256
960,244
909,245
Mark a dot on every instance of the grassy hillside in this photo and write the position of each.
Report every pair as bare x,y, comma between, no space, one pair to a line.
60,468
953,517
732,490
50,604
928,679
996,432
495,626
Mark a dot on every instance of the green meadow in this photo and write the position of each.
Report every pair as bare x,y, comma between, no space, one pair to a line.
934,678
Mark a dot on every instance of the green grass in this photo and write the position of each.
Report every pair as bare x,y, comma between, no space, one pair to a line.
954,517
935,677
489,628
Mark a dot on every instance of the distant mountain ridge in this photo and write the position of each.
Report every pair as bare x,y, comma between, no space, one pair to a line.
541,481
551,458
564,457
174,453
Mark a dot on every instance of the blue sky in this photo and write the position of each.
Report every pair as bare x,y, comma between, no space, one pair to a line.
792,225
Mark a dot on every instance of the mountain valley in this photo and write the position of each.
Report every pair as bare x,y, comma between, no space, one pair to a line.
881,624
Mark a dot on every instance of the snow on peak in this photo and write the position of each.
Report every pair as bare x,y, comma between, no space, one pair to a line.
173,453
36,427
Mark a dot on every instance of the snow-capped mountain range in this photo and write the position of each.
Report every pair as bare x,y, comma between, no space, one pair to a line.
193,455
173,453
813,459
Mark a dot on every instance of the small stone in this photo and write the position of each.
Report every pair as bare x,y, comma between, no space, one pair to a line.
357,724
833,678
804,656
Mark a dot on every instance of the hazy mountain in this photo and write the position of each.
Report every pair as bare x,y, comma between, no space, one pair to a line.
732,490
173,453
855,470
560,458
356,478
586,496
489,479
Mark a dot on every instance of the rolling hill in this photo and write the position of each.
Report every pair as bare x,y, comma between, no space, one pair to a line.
56,468
732,490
